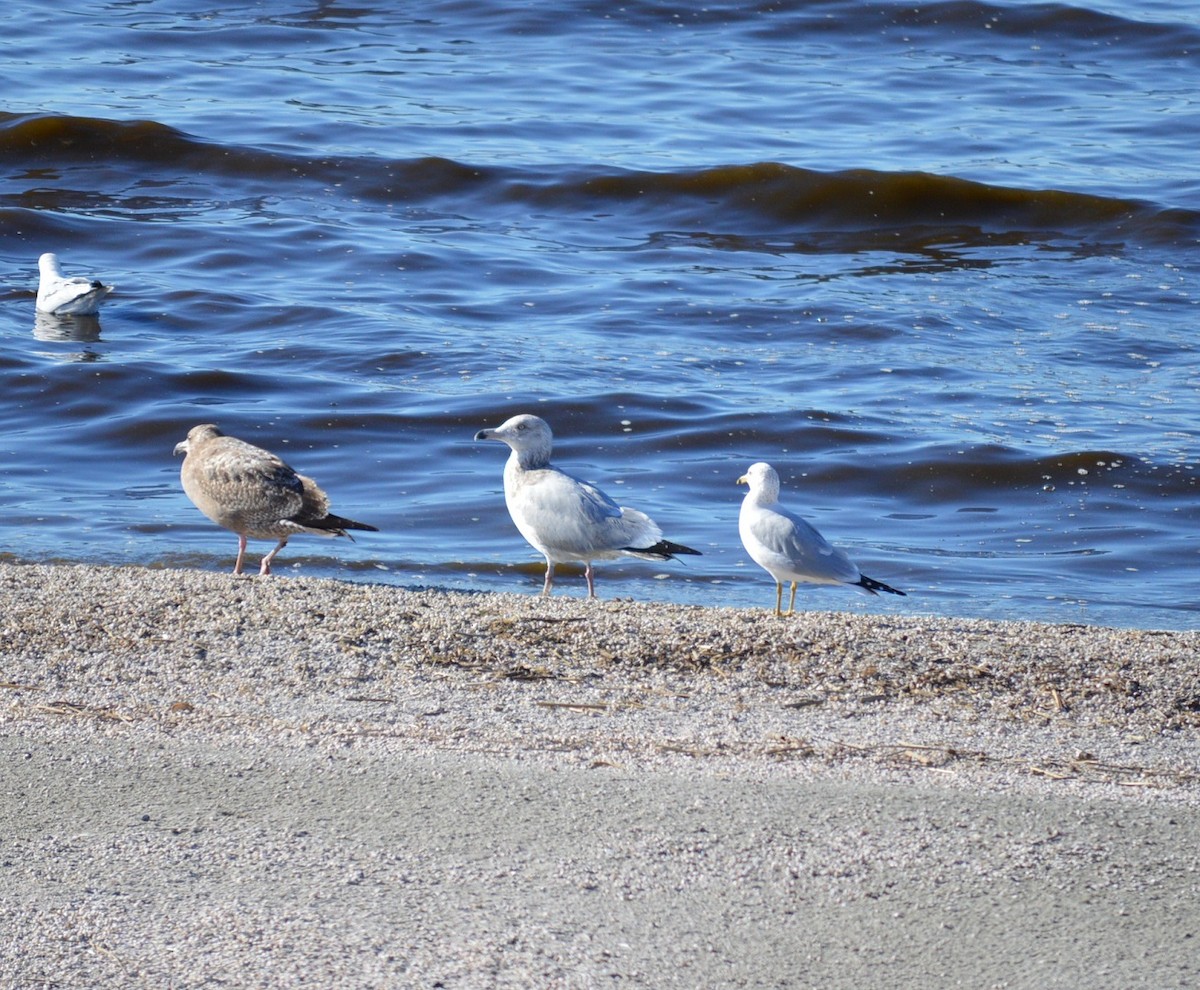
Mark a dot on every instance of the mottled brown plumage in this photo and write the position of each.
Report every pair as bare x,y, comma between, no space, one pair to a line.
253,493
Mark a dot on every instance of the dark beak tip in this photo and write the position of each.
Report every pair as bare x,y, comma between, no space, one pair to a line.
481,435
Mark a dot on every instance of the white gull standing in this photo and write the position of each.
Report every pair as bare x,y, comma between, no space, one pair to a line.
62,296
253,493
787,547
566,519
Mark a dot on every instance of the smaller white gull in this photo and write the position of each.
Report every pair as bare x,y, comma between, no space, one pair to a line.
253,493
64,296
787,547
566,519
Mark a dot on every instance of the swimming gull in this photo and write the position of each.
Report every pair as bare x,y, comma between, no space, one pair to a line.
787,547
64,296
566,519
253,493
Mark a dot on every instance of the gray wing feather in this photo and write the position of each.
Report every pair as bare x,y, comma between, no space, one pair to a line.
795,539
576,517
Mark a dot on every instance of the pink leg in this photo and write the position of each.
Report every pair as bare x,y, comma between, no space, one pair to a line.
265,567
591,579
549,578
237,566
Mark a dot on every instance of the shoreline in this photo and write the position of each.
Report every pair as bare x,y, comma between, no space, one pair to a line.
393,787
204,652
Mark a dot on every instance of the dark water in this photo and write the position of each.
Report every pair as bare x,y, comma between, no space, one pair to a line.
937,264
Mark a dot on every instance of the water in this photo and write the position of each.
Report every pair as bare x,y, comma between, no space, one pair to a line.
935,264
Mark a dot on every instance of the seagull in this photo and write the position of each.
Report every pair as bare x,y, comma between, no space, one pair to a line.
64,296
787,547
253,493
566,519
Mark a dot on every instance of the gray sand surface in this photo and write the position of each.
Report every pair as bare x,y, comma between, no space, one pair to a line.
289,782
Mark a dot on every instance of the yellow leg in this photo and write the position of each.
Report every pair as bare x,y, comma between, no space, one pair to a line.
778,598
792,602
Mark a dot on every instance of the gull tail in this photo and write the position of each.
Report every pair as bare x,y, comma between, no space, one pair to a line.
86,303
337,525
662,550
874,587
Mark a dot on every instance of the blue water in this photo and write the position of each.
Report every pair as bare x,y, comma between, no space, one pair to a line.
936,264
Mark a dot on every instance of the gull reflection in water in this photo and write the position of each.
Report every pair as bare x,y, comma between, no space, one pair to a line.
79,329
68,330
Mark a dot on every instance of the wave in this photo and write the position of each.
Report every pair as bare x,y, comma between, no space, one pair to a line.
786,198
743,206
1068,24
971,22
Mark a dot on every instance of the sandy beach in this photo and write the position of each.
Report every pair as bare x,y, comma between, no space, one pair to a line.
212,781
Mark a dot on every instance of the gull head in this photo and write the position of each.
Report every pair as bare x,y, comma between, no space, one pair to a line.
762,479
528,436
197,434
48,265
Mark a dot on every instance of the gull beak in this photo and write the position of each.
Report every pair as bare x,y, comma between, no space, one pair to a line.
181,448
743,480
484,435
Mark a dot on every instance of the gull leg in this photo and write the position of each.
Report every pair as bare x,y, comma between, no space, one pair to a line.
591,579
549,578
779,598
265,567
792,602
237,565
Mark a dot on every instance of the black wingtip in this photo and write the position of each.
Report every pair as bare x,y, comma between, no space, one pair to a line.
663,549
873,586
339,525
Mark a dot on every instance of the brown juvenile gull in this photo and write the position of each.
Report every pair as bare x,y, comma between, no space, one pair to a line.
787,547
253,493
64,296
566,519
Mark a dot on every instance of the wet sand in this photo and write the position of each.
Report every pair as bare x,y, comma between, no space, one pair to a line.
212,781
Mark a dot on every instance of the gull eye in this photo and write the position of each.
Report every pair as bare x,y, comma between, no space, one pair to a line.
522,426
